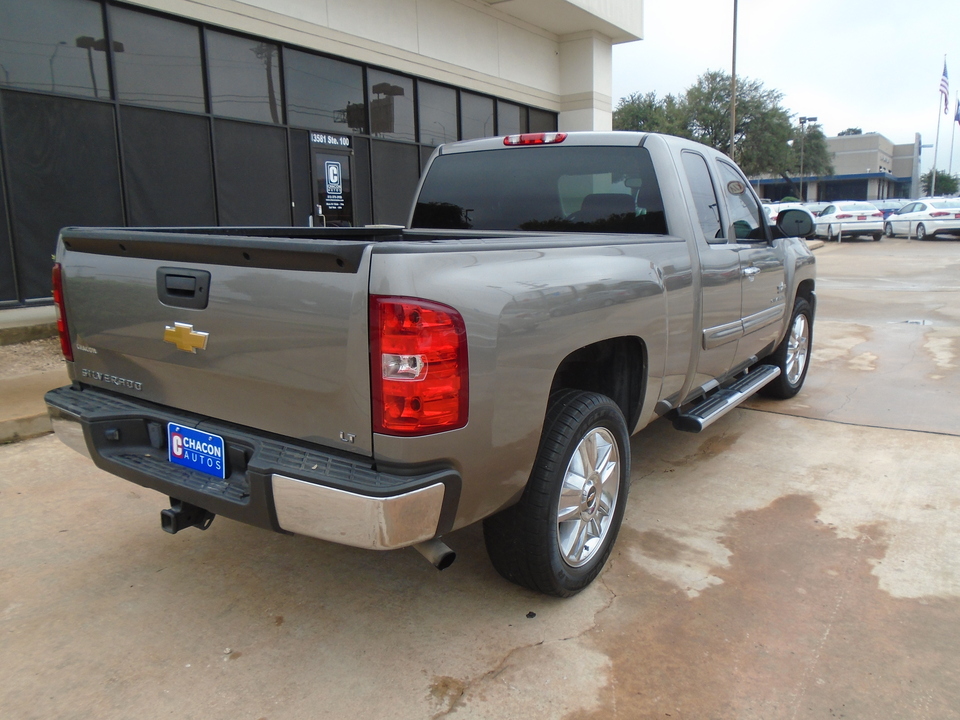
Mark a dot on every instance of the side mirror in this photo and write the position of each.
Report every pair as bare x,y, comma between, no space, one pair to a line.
795,223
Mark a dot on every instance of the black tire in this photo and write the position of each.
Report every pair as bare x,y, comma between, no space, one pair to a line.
877,236
792,356
921,232
888,229
830,235
526,541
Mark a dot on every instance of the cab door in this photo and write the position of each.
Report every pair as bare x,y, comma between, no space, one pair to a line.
332,168
762,273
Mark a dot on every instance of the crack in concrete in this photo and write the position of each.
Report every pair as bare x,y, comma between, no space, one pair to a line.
501,666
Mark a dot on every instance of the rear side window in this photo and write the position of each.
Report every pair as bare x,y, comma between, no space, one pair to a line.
545,189
704,194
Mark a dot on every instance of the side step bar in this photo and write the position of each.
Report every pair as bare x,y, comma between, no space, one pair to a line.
723,401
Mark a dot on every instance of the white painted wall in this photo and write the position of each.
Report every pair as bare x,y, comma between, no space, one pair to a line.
560,61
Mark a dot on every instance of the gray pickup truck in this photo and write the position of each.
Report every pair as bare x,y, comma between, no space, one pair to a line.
381,387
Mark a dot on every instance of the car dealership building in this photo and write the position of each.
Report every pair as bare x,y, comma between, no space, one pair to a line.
222,112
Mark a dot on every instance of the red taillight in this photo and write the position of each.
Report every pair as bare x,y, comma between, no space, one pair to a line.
418,366
877,214
65,347
939,213
535,138
844,217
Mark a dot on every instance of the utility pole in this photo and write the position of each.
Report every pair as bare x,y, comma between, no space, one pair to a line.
733,88
803,135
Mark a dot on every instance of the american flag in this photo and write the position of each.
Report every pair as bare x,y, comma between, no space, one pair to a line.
945,89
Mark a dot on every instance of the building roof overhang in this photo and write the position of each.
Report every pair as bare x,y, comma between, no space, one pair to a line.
621,21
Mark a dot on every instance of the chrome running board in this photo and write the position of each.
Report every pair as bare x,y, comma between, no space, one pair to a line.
709,410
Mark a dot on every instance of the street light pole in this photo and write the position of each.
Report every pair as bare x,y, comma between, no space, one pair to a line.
803,136
733,88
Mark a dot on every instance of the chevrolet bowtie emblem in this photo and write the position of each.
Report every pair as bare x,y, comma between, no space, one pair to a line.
185,338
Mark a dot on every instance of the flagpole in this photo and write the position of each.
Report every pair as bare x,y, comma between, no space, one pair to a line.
953,134
945,91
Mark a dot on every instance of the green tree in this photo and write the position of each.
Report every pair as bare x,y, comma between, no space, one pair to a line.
641,112
851,131
946,184
702,113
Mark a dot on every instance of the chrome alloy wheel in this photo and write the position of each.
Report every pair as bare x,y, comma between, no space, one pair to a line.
798,348
588,497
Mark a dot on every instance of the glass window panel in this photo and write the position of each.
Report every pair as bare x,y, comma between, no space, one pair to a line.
160,63
544,188
53,45
391,106
323,94
63,169
704,195
476,116
8,287
744,210
253,181
511,119
396,171
168,169
244,77
438,113
542,121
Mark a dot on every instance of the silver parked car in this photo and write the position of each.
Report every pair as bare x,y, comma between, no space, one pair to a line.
850,219
925,218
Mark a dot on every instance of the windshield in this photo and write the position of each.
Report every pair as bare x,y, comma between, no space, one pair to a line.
543,188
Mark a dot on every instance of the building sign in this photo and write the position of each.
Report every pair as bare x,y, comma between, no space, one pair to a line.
333,172
341,141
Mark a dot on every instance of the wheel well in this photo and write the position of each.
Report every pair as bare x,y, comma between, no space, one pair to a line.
615,367
806,291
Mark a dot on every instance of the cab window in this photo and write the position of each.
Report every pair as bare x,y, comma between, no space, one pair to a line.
746,217
704,195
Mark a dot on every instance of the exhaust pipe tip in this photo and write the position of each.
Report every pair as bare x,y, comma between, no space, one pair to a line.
437,553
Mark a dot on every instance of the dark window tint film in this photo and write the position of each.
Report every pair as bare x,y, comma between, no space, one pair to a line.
244,77
167,168
542,121
8,289
438,113
511,119
396,170
300,178
391,106
323,94
53,45
362,196
62,164
160,64
547,188
476,116
252,178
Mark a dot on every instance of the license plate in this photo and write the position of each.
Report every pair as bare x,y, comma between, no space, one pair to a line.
196,450
861,217
957,216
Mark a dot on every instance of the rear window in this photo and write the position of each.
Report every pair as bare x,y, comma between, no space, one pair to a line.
946,204
552,189
854,207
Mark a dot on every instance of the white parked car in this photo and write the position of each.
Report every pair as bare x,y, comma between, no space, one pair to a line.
925,218
773,210
850,219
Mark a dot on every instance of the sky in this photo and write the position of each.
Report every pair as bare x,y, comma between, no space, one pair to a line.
871,64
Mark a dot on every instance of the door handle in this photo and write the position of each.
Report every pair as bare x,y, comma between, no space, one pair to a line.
751,271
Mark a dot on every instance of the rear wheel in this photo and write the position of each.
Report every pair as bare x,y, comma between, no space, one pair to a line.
921,232
793,354
877,236
558,537
830,235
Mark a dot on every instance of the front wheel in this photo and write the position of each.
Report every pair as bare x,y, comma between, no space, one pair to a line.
888,229
558,537
793,354
921,232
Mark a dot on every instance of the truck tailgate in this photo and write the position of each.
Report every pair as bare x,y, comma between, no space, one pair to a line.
279,343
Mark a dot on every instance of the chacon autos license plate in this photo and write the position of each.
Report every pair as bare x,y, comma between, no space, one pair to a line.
196,450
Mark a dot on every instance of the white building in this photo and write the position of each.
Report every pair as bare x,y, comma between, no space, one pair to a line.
225,112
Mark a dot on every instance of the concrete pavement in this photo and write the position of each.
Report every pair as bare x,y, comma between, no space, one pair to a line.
796,560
